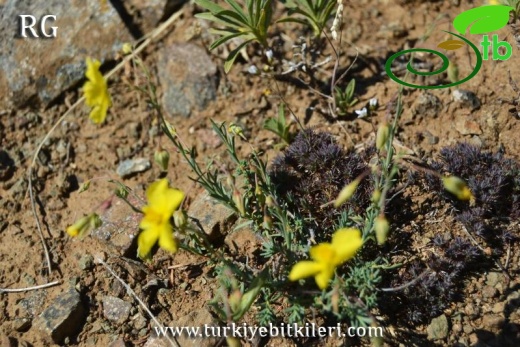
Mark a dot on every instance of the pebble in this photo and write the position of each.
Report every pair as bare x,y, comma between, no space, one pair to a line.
133,166
466,98
86,262
116,310
438,328
63,317
492,321
216,219
188,77
489,292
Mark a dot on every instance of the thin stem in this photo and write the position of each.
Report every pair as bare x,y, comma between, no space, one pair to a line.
20,290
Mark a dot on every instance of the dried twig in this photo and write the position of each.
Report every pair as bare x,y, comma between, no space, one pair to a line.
20,290
132,293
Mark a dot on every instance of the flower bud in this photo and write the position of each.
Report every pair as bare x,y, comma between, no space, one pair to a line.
382,135
84,225
457,187
180,218
235,299
127,48
376,196
347,192
162,158
233,341
381,227
268,221
239,202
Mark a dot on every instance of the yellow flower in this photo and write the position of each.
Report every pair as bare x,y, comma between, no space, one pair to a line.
327,256
162,202
457,187
96,92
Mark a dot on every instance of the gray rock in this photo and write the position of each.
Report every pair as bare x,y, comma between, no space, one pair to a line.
489,292
132,166
139,321
466,98
216,219
86,262
438,328
22,324
63,317
116,310
492,322
493,278
426,105
188,78
85,28
150,12
120,227
196,318
243,241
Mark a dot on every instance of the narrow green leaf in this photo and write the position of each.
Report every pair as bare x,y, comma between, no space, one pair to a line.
224,39
238,10
209,5
233,55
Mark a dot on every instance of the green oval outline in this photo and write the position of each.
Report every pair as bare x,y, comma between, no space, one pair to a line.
388,65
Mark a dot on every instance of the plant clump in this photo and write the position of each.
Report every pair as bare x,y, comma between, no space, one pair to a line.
310,174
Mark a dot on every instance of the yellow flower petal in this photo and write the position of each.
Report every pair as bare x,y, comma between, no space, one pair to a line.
165,200
145,241
346,242
166,239
323,278
323,253
304,269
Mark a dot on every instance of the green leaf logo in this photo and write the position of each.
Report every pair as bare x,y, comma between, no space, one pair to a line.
483,19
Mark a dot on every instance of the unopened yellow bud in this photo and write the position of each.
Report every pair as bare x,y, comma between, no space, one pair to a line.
268,221
376,196
381,227
347,192
235,129
457,187
84,225
239,202
382,135
170,128
234,300
180,218
162,158
127,48
233,341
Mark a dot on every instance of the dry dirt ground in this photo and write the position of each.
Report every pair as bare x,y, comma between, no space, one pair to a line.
175,286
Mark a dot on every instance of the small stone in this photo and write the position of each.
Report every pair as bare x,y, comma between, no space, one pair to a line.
472,311
214,218
154,341
63,317
438,328
86,262
188,77
139,321
196,318
457,328
22,324
489,292
118,343
467,126
132,166
116,310
242,241
466,98
499,307
492,321
468,329
493,278
426,105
